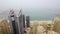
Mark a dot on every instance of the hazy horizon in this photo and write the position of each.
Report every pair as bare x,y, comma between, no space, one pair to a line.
36,9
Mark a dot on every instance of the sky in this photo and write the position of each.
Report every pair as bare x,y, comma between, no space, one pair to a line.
33,8
17,4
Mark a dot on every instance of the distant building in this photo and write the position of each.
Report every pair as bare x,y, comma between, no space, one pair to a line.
5,29
56,27
28,21
21,22
34,28
13,22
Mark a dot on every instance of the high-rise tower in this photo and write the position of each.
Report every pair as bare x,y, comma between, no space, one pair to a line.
13,22
21,20
24,21
28,21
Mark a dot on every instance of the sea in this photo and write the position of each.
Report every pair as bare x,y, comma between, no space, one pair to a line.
42,14
38,14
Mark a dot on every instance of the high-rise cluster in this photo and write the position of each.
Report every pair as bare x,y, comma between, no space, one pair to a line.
15,25
18,24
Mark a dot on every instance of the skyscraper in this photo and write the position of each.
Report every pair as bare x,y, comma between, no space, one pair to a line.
21,22
13,22
28,21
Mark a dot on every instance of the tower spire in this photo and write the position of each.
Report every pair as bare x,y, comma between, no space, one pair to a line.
20,12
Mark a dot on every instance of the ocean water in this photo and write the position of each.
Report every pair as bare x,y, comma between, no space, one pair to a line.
37,14
42,14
